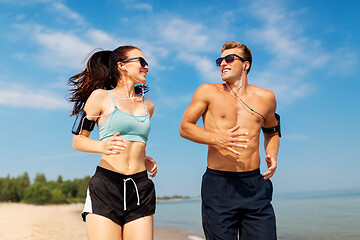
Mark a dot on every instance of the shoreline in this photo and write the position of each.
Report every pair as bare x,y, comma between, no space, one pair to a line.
162,200
172,233
58,222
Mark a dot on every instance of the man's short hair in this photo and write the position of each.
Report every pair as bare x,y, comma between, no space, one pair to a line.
246,53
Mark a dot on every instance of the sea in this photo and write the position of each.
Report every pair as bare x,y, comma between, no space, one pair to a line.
330,215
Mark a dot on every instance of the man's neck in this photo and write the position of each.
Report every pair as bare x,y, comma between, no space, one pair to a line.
238,86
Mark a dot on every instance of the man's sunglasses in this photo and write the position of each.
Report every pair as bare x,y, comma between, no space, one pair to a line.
228,59
143,63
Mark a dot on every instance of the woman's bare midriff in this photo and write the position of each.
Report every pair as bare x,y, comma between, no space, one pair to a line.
128,162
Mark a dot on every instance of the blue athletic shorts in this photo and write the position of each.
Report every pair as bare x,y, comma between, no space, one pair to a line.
121,198
237,205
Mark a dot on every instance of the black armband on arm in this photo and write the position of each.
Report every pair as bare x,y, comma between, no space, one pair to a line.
82,123
275,129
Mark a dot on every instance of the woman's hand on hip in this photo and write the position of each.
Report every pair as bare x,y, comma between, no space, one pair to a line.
151,166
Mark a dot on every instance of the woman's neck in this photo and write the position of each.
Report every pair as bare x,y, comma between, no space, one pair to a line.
125,89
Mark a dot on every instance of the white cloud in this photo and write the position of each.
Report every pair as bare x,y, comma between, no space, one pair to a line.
67,12
25,2
17,95
184,33
69,48
287,86
203,65
131,4
283,37
65,49
61,49
52,5
140,6
191,42
294,55
102,38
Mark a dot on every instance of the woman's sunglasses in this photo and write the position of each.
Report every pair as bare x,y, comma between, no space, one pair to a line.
228,59
143,63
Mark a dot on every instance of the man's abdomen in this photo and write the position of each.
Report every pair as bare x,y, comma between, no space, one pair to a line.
224,160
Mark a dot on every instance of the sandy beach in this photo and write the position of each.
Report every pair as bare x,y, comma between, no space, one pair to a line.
56,222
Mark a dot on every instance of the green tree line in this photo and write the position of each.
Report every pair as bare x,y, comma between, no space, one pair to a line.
42,191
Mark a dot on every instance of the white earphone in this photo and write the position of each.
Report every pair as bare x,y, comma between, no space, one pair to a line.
123,67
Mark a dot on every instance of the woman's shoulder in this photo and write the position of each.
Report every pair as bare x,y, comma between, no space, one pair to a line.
149,105
98,95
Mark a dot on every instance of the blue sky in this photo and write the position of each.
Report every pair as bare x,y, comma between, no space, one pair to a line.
306,52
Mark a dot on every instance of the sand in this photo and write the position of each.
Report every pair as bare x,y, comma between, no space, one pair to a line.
56,222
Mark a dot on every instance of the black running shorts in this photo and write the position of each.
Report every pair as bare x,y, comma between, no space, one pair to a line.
237,205
121,198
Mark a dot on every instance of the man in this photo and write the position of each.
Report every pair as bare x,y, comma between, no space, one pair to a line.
236,198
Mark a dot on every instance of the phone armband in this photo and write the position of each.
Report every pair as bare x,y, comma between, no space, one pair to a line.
82,123
275,129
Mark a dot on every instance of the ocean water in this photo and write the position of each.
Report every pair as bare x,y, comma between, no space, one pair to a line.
311,216
184,215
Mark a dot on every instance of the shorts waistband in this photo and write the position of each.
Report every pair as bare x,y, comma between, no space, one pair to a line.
137,177
233,174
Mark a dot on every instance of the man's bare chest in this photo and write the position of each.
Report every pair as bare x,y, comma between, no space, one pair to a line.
229,111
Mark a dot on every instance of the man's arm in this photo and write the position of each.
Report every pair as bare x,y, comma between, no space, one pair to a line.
271,141
189,130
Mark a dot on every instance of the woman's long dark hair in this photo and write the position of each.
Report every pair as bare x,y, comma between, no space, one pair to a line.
100,73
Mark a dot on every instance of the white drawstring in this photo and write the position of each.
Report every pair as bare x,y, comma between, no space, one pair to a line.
137,192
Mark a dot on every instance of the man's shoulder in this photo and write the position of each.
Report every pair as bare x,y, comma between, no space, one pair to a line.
262,92
206,87
206,91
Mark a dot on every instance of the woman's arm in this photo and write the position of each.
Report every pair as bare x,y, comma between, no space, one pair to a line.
94,107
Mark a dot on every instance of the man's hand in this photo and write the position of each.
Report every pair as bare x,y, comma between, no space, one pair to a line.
271,164
230,139
151,166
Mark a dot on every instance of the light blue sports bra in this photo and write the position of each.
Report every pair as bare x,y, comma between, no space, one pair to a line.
131,127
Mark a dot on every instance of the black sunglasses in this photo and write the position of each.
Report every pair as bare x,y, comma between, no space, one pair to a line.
143,63
228,59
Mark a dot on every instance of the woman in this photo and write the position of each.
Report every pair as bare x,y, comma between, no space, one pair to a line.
120,199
